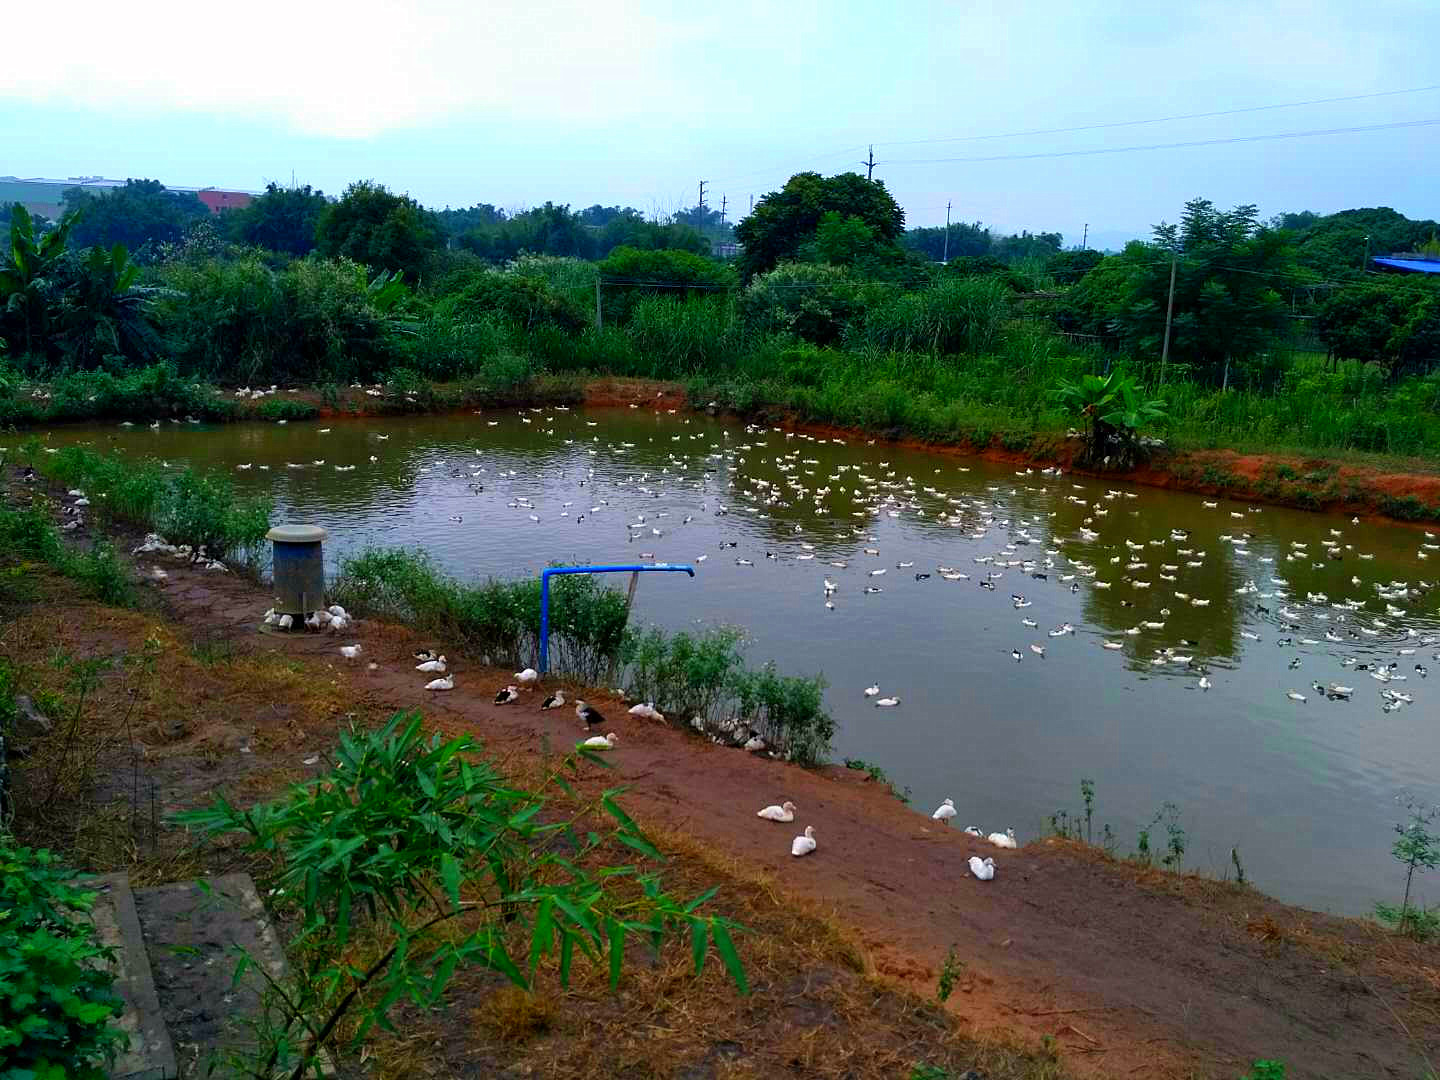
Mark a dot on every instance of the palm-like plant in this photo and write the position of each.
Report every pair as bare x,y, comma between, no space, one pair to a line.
102,312
25,278
1113,408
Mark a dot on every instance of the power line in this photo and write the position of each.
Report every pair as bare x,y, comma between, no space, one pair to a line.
1173,145
1101,126
1167,119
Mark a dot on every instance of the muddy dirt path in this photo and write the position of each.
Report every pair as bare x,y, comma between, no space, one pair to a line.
1133,972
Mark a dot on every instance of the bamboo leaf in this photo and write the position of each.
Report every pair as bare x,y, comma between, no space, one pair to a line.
726,948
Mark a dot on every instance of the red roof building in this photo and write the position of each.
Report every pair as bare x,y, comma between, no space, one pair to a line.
217,199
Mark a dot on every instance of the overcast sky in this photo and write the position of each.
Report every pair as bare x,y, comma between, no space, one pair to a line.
513,103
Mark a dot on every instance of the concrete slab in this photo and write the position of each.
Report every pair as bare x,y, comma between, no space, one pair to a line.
150,1055
192,934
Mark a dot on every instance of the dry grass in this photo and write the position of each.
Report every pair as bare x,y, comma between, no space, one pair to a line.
814,1011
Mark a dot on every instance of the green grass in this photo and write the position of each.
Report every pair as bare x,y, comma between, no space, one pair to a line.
30,535
186,507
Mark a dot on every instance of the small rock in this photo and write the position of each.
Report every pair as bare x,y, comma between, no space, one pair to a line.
29,720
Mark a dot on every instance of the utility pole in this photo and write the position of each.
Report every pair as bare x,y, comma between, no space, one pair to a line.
1365,266
1085,239
869,164
724,201
946,257
702,198
1169,317
752,202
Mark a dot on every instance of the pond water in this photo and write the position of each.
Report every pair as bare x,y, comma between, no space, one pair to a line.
1263,602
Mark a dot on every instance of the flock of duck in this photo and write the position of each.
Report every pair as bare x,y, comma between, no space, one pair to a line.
1016,539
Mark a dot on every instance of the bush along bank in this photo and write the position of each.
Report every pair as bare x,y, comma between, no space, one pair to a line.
698,679
197,512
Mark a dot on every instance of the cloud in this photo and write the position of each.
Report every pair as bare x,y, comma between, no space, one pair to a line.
353,69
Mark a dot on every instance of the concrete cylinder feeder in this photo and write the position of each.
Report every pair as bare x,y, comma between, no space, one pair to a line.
299,562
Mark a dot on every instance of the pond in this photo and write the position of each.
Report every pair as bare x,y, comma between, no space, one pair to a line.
1134,595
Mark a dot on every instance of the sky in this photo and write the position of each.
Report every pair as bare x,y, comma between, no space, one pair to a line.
513,103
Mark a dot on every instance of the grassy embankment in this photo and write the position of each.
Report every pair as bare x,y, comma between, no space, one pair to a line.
954,364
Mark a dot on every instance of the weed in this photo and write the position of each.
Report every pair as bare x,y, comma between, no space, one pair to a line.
878,775
1417,849
1239,867
1266,1070
516,1015
950,971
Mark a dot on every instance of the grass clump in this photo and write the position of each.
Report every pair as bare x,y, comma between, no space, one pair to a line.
275,409
703,678
30,535
423,856
499,621
189,508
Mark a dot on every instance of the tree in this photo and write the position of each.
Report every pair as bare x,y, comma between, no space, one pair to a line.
142,212
675,274
101,312
1228,303
282,219
379,229
1392,323
546,230
27,278
784,220
964,240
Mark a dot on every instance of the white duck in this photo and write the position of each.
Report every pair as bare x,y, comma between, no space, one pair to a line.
350,652
1005,839
647,711
601,742
445,682
984,869
528,677
945,811
783,812
803,845
437,666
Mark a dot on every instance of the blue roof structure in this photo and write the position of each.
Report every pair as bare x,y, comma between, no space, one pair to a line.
1414,266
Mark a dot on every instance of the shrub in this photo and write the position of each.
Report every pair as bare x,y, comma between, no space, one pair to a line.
498,621
186,507
57,1003
285,409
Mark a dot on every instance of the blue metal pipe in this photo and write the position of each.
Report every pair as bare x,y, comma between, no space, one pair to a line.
545,576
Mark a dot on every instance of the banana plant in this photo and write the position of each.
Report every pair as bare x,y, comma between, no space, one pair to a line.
103,310
25,279
1113,408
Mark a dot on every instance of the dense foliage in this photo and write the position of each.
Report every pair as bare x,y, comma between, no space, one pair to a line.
373,226
1274,339
57,1005
140,214
784,220
282,220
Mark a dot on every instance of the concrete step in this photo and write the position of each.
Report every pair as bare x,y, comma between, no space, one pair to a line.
151,1056
191,931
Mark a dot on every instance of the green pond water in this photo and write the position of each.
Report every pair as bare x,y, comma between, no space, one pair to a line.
1262,602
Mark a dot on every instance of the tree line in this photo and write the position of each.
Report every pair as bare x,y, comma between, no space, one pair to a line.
824,260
